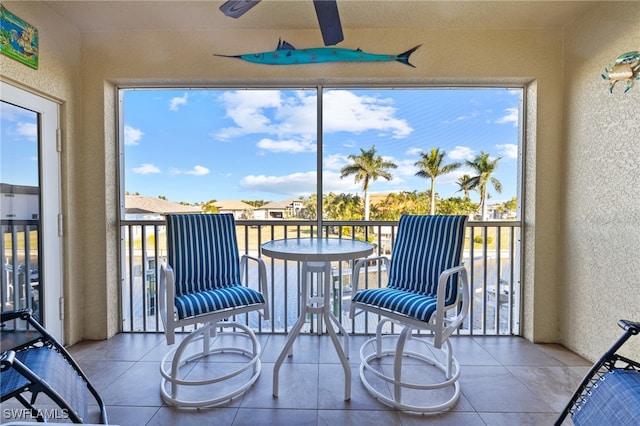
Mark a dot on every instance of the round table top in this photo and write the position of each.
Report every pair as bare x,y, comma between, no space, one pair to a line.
317,249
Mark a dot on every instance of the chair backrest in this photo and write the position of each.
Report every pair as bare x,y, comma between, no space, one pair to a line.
203,252
424,247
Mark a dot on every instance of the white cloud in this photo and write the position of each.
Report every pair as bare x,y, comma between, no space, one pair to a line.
197,171
249,109
13,113
474,114
346,111
293,114
299,184
332,182
511,116
146,169
335,161
295,184
132,135
414,151
28,130
176,102
405,168
291,146
460,153
452,178
508,150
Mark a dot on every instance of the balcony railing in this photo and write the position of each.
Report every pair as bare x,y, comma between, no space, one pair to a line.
492,255
20,279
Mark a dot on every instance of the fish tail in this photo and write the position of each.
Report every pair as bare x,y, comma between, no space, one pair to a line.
404,57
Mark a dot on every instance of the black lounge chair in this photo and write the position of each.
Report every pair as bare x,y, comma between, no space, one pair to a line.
34,362
610,392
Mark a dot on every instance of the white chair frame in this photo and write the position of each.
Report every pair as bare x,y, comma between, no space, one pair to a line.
208,333
441,325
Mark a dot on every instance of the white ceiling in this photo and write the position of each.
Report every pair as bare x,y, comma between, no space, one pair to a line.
300,14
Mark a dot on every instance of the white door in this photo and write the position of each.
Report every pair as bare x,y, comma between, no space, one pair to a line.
30,204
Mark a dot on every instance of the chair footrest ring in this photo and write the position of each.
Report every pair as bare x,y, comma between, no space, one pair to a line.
173,383
392,393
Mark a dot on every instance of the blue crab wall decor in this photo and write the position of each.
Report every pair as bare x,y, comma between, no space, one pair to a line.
626,68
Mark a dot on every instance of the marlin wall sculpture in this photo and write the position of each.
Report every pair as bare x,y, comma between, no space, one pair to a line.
286,54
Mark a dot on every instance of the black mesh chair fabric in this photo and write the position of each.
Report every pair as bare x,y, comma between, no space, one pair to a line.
33,362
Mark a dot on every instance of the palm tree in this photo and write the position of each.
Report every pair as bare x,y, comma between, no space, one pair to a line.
367,167
210,207
397,203
431,167
343,207
465,184
310,207
485,167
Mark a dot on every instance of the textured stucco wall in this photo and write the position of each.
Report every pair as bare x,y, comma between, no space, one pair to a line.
58,77
446,57
600,280
106,59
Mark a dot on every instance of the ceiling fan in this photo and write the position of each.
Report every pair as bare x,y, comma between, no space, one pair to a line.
326,11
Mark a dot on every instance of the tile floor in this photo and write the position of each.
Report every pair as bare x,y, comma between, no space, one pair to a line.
504,381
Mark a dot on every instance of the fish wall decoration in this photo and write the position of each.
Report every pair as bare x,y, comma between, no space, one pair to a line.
286,54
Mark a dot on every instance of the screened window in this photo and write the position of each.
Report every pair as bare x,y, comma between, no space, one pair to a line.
383,151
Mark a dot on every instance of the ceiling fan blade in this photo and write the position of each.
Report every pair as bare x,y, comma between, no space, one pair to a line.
329,20
237,8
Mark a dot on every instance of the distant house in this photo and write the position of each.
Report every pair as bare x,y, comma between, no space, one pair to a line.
239,209
291,208
497,212
19,202
138,207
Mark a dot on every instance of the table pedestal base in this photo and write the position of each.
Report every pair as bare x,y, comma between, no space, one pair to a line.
321,306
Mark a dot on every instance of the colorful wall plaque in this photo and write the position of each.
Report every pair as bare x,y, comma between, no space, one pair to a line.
18,39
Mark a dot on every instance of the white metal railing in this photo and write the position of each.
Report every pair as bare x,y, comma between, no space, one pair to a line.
492,255
20,278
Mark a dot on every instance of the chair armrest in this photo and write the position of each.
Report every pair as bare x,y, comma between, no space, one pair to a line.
464,296
167,293
22,314
6,359
262,279
355,277
631,326
24,337
443,278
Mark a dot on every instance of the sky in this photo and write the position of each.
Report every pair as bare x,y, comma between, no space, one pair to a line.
18,145
255,144
200,145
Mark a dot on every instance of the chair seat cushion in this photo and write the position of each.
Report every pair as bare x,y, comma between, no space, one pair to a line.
414,305
193,304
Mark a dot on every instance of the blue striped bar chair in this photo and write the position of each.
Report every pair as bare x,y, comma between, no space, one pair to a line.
205,286
427,291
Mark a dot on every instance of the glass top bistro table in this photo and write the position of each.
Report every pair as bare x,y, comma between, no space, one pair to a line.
316,255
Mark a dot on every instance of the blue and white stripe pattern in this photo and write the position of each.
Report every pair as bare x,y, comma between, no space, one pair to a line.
425,246
203,252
